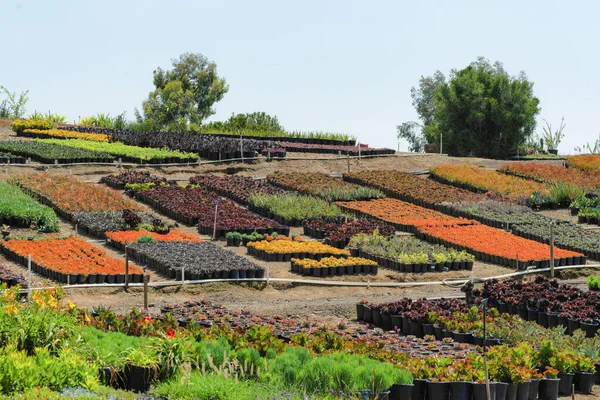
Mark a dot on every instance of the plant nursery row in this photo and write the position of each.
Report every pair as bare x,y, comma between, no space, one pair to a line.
551,173
63,134
338,231
332,266
19,209
285,250
51,153
237,188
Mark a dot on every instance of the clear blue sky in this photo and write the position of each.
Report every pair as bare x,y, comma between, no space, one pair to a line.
344,66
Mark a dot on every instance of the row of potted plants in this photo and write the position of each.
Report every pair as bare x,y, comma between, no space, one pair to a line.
552,173
235,187
323,185
589,162
71,260
237,238
338,231
333,149
120,239
51,153
127,153
496,246
290,208
129,177
285,250
408,254
19,209
547,302
97,223
332,266
8,158
412,188
402,215
20,124
63,134
194,205
194,261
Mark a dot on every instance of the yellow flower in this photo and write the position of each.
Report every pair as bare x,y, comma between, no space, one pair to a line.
11,309
71,305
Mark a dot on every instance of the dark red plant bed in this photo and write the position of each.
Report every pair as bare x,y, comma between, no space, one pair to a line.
338,231
237,188
333,149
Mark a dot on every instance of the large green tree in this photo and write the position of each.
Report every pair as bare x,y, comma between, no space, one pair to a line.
185,94
483,111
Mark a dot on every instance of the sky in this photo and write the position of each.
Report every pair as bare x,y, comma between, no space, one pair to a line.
337,65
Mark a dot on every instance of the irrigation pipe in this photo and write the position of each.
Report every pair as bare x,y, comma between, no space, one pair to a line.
450,282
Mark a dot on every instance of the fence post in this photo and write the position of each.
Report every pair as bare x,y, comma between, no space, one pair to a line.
29,277
552,249
127,267
215,223
145,289
182,276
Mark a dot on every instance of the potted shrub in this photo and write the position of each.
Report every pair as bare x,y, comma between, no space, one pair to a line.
403,387
140,369
548,389
585,370
564,361
553,138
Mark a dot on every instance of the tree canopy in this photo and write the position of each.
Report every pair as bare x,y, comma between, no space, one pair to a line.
250,122
480,111
185,94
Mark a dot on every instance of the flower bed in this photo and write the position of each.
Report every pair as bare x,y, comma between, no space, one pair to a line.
586,162
237,188
483,180
411,188
290,209
408,254
285,250
201,260
132,177
333,149
120,239
331,266
19,125
496,246
552,173
127,153
194,205
62,134
51,153
338,231
66,194
71,260
99,222
323,185
19,209
404,216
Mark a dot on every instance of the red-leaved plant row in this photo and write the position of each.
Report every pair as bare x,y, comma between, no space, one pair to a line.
552,173
71,260
495,245
237,188
338,231
546,302
409,187
333,149
194,205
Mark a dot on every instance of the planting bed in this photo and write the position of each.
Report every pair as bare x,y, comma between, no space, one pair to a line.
63,134
97,223
12,279
71,260
337,232
586,162
285,250
51,153
323,185
551,173
132,177
483,180
7,158
497,246
120,239
194,205
290,209
411,188
331,266
127,153
408,254
200,260
237,188
19,209
333,149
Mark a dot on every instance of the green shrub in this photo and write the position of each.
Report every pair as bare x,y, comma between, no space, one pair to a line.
19,125
145,239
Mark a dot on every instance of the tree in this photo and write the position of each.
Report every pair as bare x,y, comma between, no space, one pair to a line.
484,112
423,100
184,95
13,106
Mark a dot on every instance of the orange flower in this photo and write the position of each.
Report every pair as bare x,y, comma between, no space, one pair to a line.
131,236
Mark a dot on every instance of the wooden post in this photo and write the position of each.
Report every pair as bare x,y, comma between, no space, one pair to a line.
348,162
552,249
215,223
126,267
145,290
182,276
29,277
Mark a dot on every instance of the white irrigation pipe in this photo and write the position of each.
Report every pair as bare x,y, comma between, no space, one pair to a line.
451,282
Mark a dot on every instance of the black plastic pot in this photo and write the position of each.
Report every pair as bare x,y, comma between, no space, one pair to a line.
139,379
416,328
501,388
584,381
572,325
359,311
401,392
377,317
566,382
542,319
438,390
479,391
523,390
461,390
552,319
405,325
534,387
589,329
511,391
548,389
367,314
428,329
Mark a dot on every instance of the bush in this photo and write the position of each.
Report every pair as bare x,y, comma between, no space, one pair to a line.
145,239
19,125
